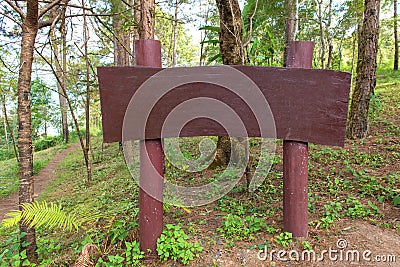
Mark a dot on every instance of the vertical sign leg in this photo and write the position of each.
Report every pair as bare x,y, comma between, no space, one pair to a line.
295,188
148,53
295,159
150,194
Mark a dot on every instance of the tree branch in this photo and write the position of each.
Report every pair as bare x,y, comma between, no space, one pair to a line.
251,25
48,7
16,8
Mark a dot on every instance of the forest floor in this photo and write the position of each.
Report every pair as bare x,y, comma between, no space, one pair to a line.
41,180
354,206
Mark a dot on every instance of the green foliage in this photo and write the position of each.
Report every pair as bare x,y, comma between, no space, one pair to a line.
306,245
375,105
9,170
173,244
47,142
237,228
284,239
6,154
133,255
42,107
396,200
112,261
186,53
332,212
357,210
11,256
49,215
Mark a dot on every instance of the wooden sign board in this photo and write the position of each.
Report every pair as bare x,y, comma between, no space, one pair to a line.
307,105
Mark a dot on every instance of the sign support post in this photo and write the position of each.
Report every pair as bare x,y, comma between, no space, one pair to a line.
295,159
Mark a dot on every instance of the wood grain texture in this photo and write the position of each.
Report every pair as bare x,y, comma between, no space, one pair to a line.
307,105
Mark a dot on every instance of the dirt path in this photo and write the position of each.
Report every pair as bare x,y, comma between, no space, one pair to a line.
41,180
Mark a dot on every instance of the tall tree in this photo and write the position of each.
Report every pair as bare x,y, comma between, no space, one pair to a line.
231,47
87,102
62,99
291,25
231,32
146,18
329,36
396,41
7,125
122,32
61,68
366,71
29,31
321,32
32,20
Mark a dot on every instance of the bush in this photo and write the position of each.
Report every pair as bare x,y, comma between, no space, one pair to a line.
47,142
173,244
6,154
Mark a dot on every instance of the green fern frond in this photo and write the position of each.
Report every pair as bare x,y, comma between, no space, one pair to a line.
13,217
49,215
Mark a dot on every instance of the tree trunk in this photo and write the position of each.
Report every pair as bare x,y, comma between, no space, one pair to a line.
204,37
321,34
329,36
147,19
5,132
63,104
122,38
136,16
396,42
291,26
61,85
29,32
7,123
366,71
231,32
87,104
175,32
231,46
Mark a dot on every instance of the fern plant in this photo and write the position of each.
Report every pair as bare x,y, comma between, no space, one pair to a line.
49,215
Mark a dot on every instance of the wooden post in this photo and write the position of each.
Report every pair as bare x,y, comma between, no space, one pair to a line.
295,158
148,53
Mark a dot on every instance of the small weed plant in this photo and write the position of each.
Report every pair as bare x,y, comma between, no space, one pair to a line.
173,244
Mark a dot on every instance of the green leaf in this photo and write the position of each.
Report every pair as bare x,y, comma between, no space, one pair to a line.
210,28
396,200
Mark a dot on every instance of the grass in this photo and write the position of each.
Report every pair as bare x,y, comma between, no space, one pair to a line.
355,184
9,176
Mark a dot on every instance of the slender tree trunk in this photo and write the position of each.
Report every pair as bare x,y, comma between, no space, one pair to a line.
396,41
231,47
147,19
123,52
340,54
366,71
321,33
329,36
136,16
291,26
61,86
204,37
175,32
29,32
87,105
5,129
7,123
63,104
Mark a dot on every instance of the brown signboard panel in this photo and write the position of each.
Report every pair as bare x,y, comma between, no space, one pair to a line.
307,105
